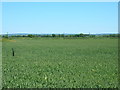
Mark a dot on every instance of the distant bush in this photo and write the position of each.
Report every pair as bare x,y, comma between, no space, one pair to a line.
92,35
5,36
31,36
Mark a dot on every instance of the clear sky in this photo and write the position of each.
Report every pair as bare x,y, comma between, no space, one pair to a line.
60,17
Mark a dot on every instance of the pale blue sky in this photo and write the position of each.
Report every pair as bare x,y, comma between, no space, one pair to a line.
60,17
0,17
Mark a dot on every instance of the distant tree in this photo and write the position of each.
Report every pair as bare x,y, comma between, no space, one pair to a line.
6,36
92,35
69,35
26,36
30,35
76,35
81,35
113,35
62,35
53,35
47,35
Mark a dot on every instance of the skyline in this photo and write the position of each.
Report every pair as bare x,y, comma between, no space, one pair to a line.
62,17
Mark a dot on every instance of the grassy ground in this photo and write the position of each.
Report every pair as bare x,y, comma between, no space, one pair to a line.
61,63
0,64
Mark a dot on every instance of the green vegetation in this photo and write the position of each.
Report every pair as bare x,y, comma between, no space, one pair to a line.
0,64
62,35
60,63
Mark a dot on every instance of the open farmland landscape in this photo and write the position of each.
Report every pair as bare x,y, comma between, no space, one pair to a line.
60,44
60,63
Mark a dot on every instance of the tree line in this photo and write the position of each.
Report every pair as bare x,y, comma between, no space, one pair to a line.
61,35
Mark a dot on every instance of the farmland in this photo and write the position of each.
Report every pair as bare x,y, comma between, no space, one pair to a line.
60,63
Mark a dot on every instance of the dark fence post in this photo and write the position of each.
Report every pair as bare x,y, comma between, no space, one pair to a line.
13,52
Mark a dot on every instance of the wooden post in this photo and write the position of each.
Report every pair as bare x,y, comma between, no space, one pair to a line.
13,52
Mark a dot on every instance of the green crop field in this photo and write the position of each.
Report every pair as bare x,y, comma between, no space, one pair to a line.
60,63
